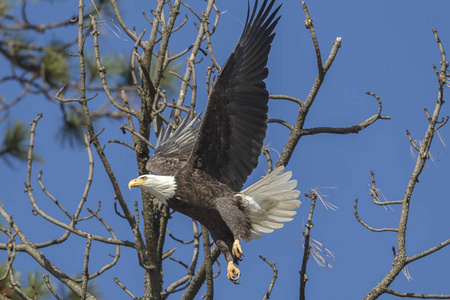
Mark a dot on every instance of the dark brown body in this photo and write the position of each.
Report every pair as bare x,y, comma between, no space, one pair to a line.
220,211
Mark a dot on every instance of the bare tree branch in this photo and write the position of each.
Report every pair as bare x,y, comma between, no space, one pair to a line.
350,129
355,210
102,71
192,56
274,277
402,259
85,274
116,280
286,97
50,288
296,132
43,261
208,265
185,280
415,295
309,225
199,277
374,193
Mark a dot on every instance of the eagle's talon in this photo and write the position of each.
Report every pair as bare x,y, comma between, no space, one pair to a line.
237,249
233,273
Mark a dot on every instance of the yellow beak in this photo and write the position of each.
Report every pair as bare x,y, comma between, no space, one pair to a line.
135,183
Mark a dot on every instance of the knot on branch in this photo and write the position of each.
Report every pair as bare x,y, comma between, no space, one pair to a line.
308,23
102,70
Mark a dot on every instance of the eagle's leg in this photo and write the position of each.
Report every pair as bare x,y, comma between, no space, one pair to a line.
233,272
237,221
237,249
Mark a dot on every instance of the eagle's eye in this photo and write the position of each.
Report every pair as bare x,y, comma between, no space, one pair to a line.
144,178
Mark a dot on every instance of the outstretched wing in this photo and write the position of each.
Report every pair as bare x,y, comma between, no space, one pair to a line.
173,149
234,126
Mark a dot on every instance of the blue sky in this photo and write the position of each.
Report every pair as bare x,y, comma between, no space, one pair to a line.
388,48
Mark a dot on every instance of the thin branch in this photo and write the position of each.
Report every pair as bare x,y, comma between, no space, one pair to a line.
199,277
192,11
10,247
51,196
350,129
22,95
116,255
163,46
16,287
209,71
429,251
85,273
355,210
306,235
50,288
195,49
102,72
194,83
122,23
168,253
162,105
286,97
116,280
412,142
181,24
274,277
60,98
177,239
205,23
266,153
163,218
181,78
121,143
415,295
374,193
208,264
282,122
443,122
135,133
145,71
178,284
309,25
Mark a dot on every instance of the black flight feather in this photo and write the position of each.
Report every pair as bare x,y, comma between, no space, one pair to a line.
234,125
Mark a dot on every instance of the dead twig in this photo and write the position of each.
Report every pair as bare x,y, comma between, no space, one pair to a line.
274,277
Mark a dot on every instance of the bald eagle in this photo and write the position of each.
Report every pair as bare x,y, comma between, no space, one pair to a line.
200,168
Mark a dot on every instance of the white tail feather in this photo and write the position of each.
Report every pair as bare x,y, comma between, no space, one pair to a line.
271,201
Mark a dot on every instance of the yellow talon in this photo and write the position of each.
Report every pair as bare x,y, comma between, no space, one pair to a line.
233,273
237,249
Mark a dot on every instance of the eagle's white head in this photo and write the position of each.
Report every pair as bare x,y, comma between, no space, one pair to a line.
162,187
